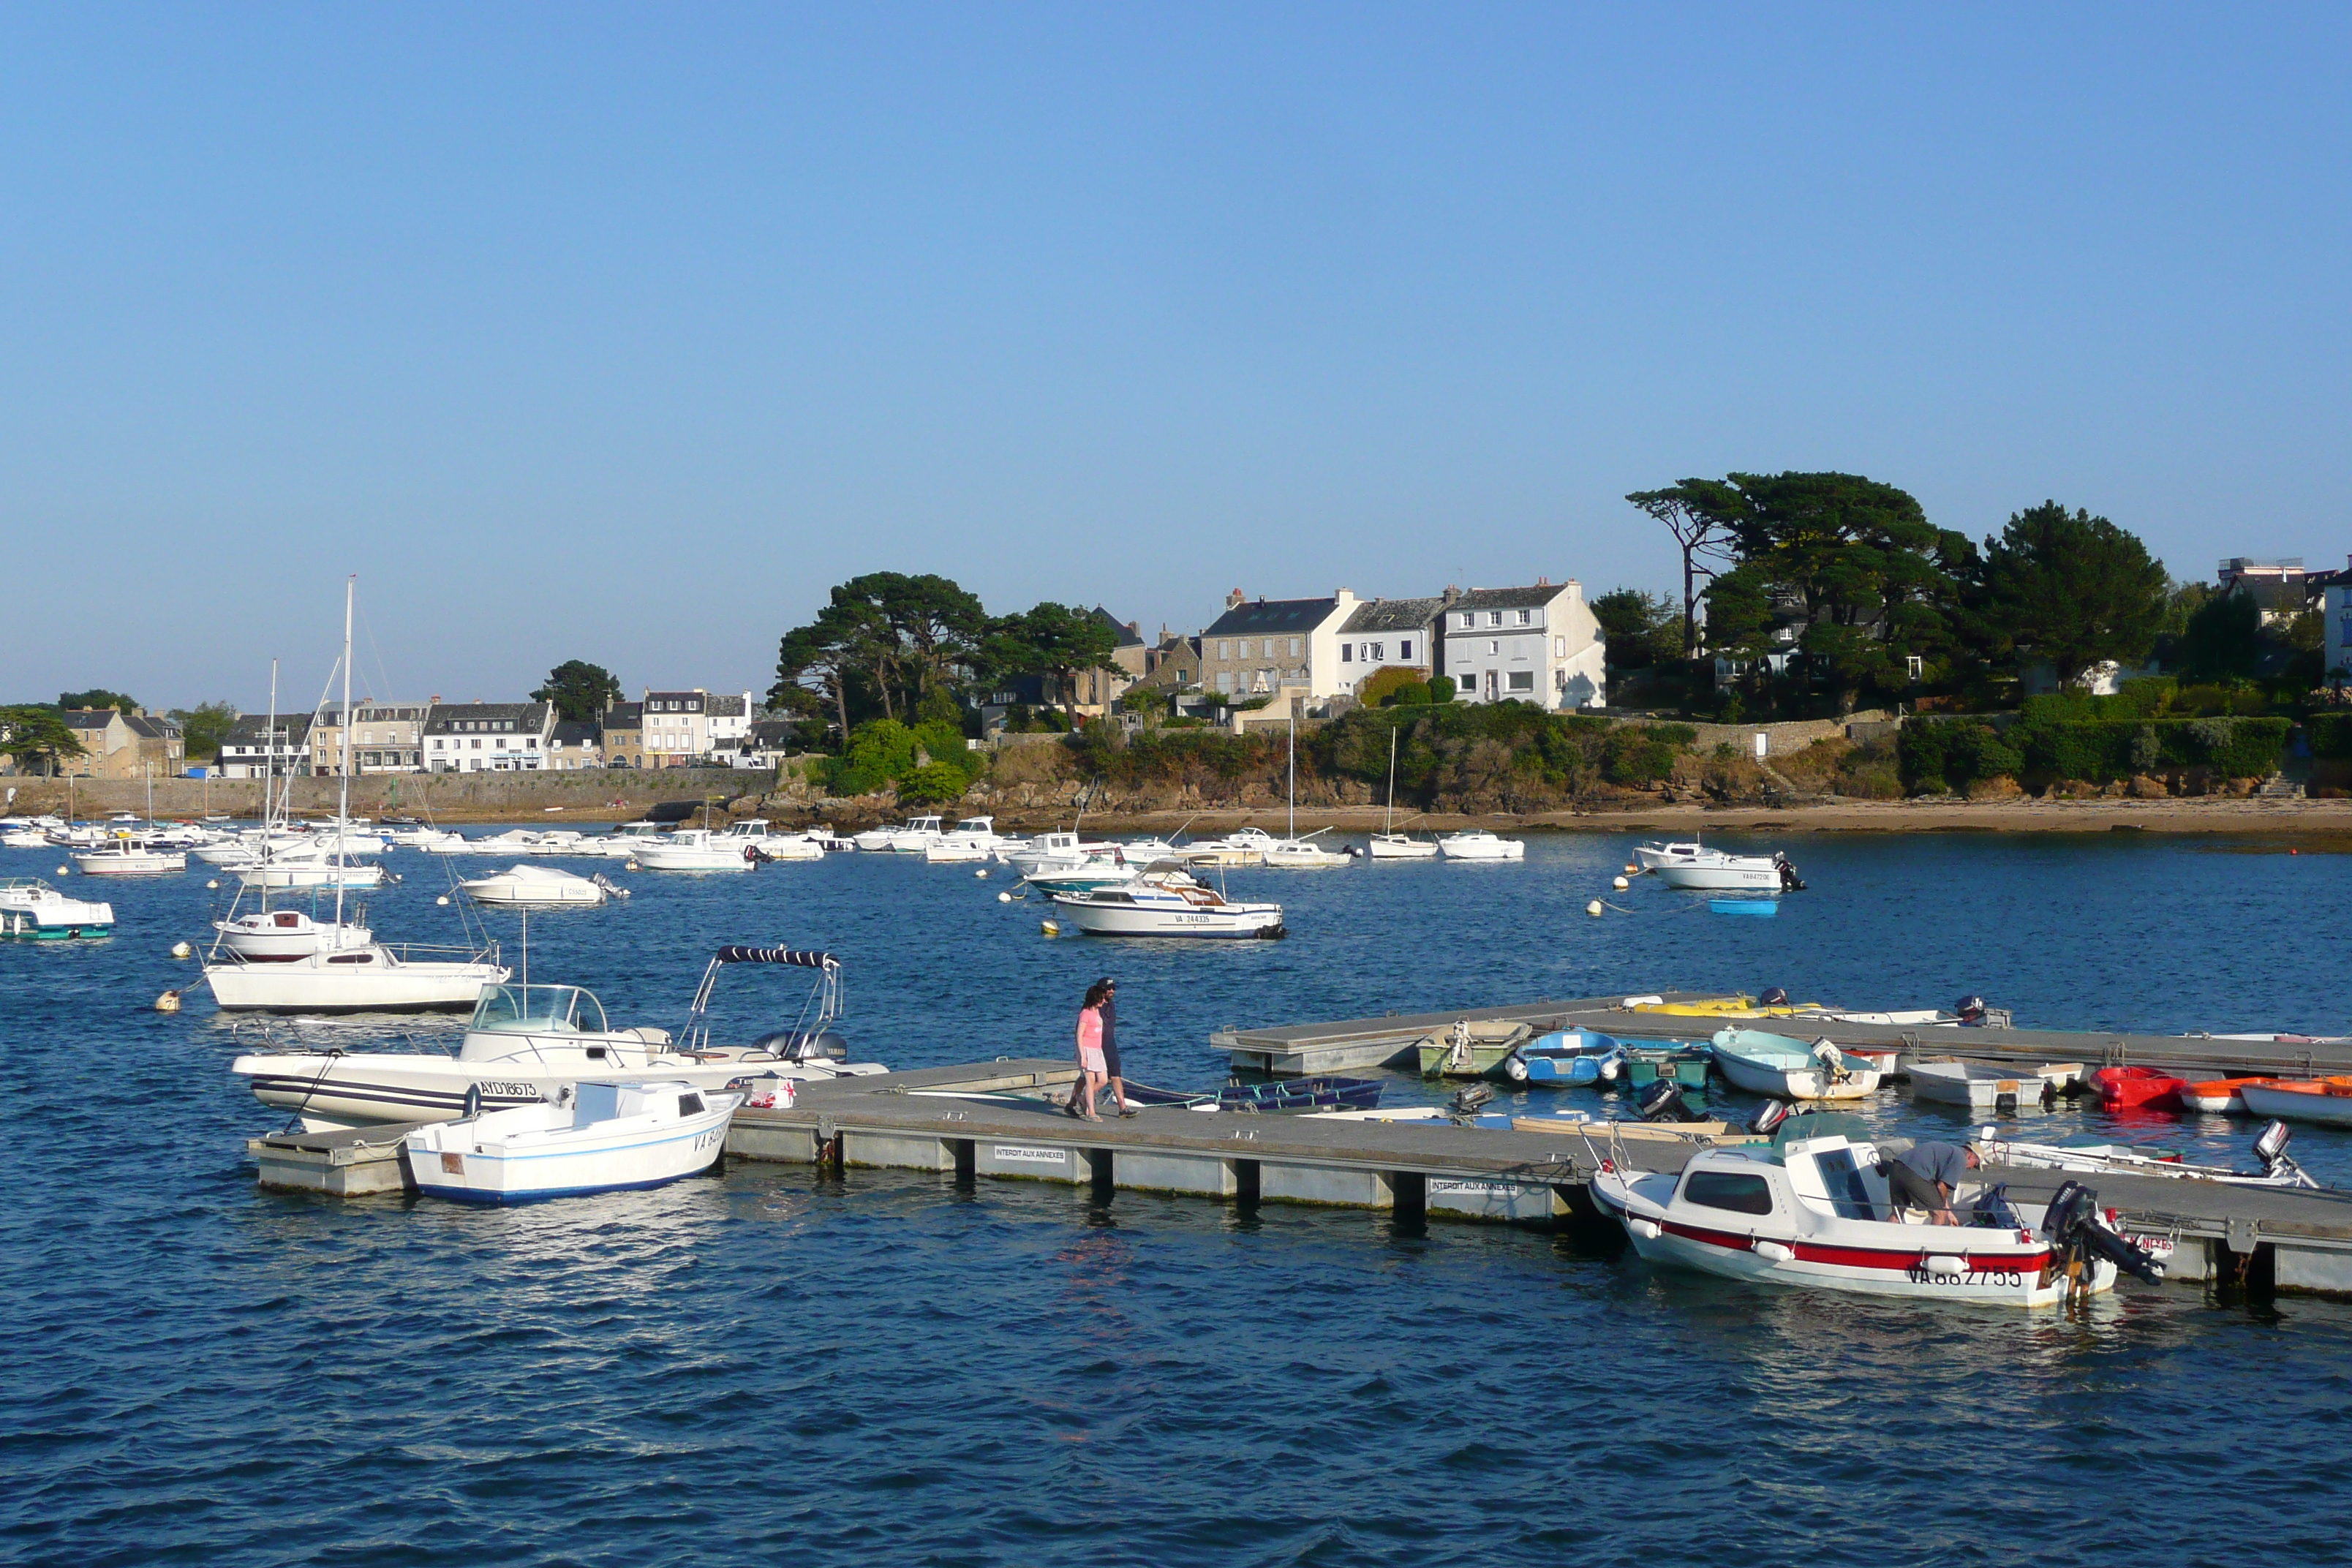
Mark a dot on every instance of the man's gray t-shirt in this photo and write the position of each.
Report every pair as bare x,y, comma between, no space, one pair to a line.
1945,1163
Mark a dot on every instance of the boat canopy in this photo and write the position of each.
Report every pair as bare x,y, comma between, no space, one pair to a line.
538,1009
776,955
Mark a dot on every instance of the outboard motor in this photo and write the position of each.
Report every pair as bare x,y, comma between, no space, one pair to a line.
1971,1010
1774,996
2077,1231
1766,1121
803,1046
1469,1101
1789,881
1661,1100
2271,1148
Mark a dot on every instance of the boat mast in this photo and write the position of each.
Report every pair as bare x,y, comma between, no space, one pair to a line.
1293,834
1390,830
343,796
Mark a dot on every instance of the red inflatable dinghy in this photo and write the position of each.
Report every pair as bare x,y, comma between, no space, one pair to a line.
2139,1088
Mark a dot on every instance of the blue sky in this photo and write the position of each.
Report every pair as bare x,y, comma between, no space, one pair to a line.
623,332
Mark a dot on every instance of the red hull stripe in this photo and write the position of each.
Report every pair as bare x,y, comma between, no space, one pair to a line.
1865,1257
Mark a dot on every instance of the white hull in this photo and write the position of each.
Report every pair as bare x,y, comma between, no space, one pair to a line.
1242,922
533,887
272,938
129,863
1300,856
1481,846
946,852
1761,876
1795,1083
1397,846
279,877
514,1157
2333,1109
1981,1089
321,984
1733,1256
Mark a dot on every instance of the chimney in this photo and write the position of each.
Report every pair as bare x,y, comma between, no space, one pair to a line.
1451,593
1543,581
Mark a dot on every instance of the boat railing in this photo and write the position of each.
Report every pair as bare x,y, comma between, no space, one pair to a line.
440,952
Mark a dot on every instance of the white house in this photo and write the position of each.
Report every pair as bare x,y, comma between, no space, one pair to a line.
1539,645
245,753
487,737
1382,634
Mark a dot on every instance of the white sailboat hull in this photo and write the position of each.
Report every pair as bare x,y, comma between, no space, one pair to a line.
371,980
1397,846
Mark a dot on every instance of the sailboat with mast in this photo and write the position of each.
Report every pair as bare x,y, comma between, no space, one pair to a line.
1388,844
1290,850
269,961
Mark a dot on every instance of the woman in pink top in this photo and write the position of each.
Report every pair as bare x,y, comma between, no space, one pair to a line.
1091,1066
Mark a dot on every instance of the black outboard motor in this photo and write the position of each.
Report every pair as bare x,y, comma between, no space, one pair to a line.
1971,1010
1470,1101
1789,881
803,1046
1661,1100
2077,1233
1768,1119
1774,996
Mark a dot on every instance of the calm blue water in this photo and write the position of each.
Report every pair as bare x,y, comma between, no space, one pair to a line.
886,1369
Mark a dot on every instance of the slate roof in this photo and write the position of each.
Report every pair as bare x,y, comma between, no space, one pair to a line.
577,733
1125,634
251,727
527,717
625,716
1257,617
154,729
725,707
88,718
1393,615
1509,598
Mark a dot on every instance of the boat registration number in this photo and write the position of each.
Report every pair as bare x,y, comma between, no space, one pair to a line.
508,1090
2004,1278
711,1137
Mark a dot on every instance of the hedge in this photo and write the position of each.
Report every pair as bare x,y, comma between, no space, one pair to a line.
1952,753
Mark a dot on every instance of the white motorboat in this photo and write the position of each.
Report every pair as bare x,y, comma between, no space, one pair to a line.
1788,1068
513,841
1981,1086
1813,1210
979,832
1165,900
280,936
1649,857
421,835
1241,847
1711,870
911,839
1304,854
597,1137
1477,844
128,856
950,852
539,886
625,841
698,850
1053,852
32,910
23,837
1388,844
526,1041
789,847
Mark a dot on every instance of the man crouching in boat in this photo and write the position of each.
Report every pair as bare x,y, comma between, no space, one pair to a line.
1927,1175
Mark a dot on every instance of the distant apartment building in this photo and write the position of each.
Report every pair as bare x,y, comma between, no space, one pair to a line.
1539,645
487,737
1385,634
1259,647
256,748
117,746
688,728
383,738
624,736
2277,583
573,744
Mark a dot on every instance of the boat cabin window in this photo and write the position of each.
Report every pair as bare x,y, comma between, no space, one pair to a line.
1729,1189
690,1105
1849,1199
555,1009
351,958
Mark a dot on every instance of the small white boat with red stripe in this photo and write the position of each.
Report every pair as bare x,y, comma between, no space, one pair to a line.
1811,1209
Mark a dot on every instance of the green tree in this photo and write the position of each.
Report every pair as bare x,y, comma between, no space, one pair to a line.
1851,565
933,783
1056,641
1440,688
848,639
37,735
1642,629
579,691
2072,591
2223,640
204,729
96,696
1698,512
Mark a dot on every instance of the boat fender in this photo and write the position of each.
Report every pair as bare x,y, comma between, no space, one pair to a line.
1774,1251
1647,1229
473,1100
1515,1068
1943,1265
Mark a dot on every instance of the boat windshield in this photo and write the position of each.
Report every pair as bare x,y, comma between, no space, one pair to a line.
539,1009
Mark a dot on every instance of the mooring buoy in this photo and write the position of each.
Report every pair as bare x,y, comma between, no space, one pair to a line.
168,1003
1593,909
181,949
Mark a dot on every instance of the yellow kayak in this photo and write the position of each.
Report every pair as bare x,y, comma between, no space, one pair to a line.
1727,1007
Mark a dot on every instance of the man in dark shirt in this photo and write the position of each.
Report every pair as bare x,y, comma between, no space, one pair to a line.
1926,1176
1110,1048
